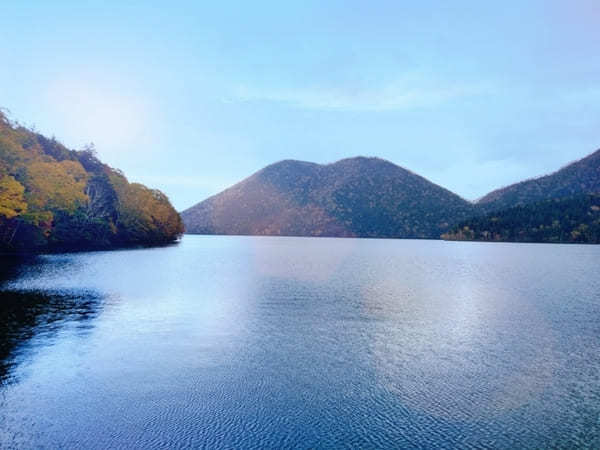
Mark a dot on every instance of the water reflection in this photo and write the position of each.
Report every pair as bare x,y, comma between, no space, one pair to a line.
10,266
459,352
239,342
31,319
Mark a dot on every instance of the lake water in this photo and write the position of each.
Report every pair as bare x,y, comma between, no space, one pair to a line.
258,342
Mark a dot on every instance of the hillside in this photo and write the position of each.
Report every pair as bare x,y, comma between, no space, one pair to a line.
580,177
573,219
363,197
53,198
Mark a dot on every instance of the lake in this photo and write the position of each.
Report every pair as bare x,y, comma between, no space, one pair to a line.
265,342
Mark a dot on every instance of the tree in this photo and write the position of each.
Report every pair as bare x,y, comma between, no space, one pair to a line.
12,202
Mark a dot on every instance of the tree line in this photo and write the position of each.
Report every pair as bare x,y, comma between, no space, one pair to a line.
573,219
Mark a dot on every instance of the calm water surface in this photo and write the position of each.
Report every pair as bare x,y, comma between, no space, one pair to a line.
242,342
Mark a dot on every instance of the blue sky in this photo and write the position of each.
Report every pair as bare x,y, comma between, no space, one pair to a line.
190,97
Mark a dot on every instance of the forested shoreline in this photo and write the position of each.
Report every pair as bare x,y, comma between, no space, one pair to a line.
56,199
566,220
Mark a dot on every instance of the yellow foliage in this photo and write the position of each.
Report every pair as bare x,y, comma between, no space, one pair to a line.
44,188
10,152
147,212
12,202
57,185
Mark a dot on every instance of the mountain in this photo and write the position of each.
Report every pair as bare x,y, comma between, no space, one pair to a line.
53,198
571,219
561,207
580,177
363,197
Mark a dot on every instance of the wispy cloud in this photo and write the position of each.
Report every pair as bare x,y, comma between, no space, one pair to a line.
398,95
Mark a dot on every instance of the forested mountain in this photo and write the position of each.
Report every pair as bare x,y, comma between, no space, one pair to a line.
561,207
572,219
580,177
365,197
53,198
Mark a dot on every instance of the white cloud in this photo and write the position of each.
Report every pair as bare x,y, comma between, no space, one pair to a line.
399,95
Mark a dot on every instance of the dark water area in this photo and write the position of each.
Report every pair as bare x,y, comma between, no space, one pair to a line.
255,342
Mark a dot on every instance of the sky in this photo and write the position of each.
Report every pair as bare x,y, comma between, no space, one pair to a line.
191,97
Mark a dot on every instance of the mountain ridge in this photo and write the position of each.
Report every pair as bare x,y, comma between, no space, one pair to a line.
351,197
578,177
360,196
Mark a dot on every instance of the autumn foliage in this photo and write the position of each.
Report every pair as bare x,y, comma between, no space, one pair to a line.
53,198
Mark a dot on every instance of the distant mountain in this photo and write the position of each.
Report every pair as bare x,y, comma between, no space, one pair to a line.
571,219
580,177
363,197
53,198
